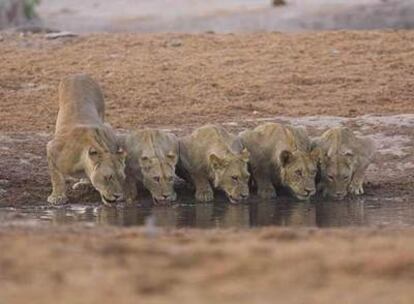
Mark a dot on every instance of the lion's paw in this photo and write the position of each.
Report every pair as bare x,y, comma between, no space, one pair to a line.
267,193
356,188
57,199
204,196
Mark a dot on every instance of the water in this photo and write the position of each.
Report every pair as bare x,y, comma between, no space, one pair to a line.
367,211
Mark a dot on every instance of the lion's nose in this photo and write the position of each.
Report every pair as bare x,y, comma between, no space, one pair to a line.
117,196
309,191
340,194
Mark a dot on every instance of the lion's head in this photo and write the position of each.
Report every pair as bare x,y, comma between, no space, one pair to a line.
298,172
158,176
104,164
231,175
336,173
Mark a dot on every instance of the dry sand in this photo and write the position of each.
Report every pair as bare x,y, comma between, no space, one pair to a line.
109,265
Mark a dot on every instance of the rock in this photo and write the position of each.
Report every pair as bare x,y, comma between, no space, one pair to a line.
278,2
4,182
175,43
60,35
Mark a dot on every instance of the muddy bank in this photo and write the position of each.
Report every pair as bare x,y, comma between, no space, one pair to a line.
24,177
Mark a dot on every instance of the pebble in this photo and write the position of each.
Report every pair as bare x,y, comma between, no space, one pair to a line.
4,182
60,35
175,43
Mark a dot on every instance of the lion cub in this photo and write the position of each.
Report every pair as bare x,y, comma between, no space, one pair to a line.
211,156
83,145
344,162
282,156
151,161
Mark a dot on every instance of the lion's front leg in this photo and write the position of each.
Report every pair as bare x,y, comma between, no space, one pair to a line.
130,190
265,188
357,183
58,195
204,192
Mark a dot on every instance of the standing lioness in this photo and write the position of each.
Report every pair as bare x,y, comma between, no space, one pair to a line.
345,160
212,156
83,144
151,161
282,156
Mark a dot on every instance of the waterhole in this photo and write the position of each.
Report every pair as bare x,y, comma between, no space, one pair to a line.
365,211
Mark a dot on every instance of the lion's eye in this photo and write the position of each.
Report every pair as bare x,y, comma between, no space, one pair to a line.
298,172
346,177
330,177
156,178
235,178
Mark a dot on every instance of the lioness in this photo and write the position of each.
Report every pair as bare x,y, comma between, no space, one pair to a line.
211,156
83,145
282,156
344,162
151,161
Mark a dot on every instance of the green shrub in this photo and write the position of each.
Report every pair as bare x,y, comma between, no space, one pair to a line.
29,8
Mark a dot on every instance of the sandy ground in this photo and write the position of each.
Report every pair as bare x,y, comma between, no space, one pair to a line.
180,82
224,16
173,79
80,265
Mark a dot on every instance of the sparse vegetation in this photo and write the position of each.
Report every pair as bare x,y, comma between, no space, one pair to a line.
29,8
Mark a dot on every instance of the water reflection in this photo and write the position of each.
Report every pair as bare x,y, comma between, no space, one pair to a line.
397,212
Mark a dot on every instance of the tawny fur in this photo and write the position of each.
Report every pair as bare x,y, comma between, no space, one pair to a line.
281,156
345,160
151,162
84,146
213,158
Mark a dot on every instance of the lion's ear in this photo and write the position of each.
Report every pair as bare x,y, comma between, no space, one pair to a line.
172,158
122,154
285,157
316,154
216,162
121,151
330,153
245,155
348,153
